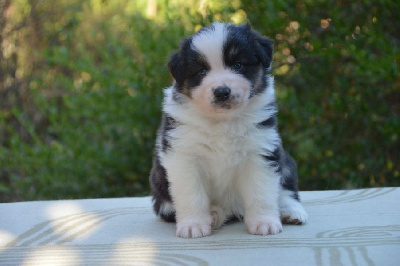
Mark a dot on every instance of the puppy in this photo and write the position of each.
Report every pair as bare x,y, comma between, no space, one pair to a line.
218,153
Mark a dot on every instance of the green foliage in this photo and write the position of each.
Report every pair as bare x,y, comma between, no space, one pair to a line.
82,83
94,90
339,88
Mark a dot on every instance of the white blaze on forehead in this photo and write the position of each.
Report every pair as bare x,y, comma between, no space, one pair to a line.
210,44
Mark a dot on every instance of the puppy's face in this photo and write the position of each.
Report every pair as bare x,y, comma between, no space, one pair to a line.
221,67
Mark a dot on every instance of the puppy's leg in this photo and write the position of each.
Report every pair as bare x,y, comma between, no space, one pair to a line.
162,202
292,211
191,202
259,189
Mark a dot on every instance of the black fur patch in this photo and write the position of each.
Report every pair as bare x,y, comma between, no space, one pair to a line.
271,122
274,159
251,43
253,52
259,87
158,175
159,185
169,218
188,67
233,219
289,175
287,167
167,124
268,123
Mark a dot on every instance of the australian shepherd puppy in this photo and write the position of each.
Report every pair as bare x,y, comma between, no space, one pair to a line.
218,153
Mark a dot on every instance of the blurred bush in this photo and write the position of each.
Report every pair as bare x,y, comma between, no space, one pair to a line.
337,66
81,89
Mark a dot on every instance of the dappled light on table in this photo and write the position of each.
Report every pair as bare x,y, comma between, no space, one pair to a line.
53,256
69,221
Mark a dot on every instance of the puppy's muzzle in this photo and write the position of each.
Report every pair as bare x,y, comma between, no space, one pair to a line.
222,93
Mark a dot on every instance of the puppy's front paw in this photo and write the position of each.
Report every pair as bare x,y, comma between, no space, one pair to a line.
193,229
269,226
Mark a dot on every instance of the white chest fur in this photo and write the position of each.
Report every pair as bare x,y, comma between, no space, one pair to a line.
218,153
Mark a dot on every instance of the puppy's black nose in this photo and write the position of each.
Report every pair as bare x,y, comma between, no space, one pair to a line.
222,93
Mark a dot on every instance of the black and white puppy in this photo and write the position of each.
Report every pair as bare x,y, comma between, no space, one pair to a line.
218,152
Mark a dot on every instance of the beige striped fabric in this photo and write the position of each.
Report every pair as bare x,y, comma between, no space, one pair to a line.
352,227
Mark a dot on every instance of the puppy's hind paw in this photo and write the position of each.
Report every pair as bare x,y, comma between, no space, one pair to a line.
218,217
294,214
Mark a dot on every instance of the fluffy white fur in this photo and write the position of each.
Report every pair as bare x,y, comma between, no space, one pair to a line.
206,165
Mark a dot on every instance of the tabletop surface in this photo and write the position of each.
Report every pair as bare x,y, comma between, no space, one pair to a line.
345,227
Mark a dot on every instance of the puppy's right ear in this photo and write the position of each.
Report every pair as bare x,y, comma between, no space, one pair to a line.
175,66
265,50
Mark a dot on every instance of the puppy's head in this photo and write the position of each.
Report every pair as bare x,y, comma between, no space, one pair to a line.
221,67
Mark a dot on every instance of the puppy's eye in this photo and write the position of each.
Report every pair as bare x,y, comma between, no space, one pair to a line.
202,72
237,66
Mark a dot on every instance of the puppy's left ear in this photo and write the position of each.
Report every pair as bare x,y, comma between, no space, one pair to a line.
265,50
175,66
